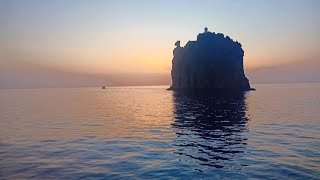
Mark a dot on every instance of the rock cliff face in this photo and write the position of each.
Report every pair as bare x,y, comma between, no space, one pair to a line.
212,62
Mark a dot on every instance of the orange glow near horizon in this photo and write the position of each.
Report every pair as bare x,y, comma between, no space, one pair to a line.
138,37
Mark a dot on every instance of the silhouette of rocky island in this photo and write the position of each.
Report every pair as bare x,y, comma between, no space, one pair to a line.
212,62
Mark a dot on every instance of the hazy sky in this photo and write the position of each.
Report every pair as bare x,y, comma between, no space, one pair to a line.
119,41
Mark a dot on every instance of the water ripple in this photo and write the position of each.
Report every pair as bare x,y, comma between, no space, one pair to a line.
150,133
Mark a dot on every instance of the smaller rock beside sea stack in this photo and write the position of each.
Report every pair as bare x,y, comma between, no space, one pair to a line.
212,62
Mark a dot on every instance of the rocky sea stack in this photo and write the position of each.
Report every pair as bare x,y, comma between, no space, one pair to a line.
213,62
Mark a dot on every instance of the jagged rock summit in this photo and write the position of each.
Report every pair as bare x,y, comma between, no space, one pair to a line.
212,62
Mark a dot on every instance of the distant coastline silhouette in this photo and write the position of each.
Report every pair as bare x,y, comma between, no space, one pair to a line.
213,62
221,120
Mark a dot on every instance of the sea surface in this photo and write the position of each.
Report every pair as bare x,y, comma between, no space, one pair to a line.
148,132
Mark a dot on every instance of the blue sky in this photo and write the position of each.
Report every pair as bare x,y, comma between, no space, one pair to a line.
137,36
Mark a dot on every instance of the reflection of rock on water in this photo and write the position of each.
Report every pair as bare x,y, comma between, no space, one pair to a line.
210,129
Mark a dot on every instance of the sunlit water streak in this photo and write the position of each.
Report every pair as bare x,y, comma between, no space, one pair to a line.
148,132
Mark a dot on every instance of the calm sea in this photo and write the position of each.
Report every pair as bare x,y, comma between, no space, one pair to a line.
148,132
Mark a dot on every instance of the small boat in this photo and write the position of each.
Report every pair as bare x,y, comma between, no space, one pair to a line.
103,87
